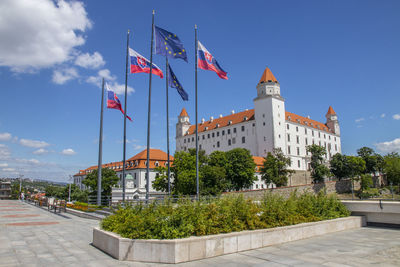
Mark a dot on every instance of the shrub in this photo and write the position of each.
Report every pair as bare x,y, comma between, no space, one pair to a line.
186,218
368,193
366,181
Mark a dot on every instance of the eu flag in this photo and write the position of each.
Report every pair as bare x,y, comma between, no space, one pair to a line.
174,83
168,44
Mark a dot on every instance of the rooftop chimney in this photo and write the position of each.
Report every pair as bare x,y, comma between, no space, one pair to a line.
202,120
220,115
232,112
211,118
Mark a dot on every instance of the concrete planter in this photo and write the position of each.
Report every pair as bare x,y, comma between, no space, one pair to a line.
196,248
380,212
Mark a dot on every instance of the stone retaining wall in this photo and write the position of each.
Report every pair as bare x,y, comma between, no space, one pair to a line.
342,186
196,248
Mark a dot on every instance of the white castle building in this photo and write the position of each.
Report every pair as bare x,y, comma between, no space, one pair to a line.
263,128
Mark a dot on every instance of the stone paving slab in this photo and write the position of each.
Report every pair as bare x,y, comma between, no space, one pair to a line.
68,243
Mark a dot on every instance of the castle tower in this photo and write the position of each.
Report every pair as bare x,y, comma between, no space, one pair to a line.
332,121
269,109
183,124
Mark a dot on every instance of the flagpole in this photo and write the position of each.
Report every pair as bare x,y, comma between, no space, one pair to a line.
197,134
126,93
99,167
166,91
148,112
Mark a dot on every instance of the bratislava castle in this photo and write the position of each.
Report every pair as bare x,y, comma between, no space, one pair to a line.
263,128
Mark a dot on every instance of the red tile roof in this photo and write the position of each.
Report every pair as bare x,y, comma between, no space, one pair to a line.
249,114
259,161
183,113
267,76
224,121
331,111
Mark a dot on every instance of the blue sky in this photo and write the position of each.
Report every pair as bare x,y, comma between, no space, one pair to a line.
54,53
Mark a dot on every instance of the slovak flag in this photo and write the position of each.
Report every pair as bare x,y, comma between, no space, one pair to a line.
140,64
207,62
113,101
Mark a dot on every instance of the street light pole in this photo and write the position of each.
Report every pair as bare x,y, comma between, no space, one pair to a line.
69,190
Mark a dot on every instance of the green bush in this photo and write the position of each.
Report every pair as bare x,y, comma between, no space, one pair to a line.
366,181
169,220
368,193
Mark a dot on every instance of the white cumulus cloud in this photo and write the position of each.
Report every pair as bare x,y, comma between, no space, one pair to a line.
90,61
3,165
40,33
389,146
5,152
28,161
40,151
33,143
359,120
383,115
68,152
8,170
110,79
396,116
5,136
62,76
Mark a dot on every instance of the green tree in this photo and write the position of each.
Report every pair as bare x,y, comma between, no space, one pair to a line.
356,166
392,168
372,160
339,166
108,179
318,168
214,178
366,181
275,169
160,182
240,168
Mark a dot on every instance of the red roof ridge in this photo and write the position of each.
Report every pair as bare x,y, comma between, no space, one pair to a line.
306,121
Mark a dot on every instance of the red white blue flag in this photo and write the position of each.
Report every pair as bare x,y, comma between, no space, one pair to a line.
139,64
113,101
206,61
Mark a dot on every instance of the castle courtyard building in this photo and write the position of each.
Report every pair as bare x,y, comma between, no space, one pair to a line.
265,127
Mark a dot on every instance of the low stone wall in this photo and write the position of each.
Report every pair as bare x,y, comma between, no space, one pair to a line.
342,186
196,248
375,211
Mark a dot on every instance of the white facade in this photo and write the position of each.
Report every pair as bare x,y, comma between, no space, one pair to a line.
263,128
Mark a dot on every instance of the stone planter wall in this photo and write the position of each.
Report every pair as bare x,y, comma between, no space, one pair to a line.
196,248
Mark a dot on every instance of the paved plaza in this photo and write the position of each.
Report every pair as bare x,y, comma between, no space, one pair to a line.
32,236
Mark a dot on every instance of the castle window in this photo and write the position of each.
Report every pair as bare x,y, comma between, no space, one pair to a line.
297,129
288,149
319,134
320,143
213,135
265,138
204,136
313,142
324,136
298,151
184,141
233,140
234,130
297,139
217,133
279,136
287,125
223,132
244,118
264,123
208,136
305,130
192,139
334,138
188,140
335,147
312,133
298,163
263,115
288,137
199,146
156,163
218,144
217,125
329,137
242,128
229,142
298,120
229,122
229,131
306,142
254,125
205,128
243,140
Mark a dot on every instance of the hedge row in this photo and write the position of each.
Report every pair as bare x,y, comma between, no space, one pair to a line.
186,218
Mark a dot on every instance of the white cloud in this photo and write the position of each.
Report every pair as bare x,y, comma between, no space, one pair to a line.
389,146
5,153
90,61
5,136
106,74
8,170
64,75
40,151
40,33
68,152
33,143
3,165
139,147
383,115
359,120
28,161
396,116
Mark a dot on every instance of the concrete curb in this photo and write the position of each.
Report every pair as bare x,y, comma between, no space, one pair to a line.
85,215
196,248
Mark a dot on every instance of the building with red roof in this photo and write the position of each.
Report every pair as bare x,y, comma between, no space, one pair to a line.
261,129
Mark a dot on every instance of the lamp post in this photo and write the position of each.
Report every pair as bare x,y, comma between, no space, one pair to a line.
69,190
20,185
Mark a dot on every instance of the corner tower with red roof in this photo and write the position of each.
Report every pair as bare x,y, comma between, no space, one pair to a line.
332,121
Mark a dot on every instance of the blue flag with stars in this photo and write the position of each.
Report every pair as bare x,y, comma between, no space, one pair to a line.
174,83
168,44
